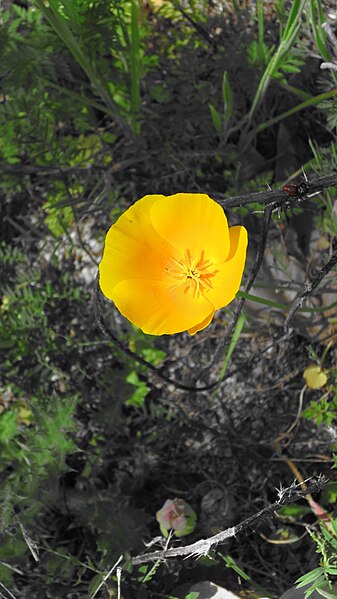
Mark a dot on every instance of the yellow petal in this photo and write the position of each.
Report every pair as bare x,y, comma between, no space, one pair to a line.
133,249
202,325
194,222
315,377
158,309
227,281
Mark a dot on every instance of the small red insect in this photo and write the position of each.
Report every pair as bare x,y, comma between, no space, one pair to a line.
297,192
291,189
297,189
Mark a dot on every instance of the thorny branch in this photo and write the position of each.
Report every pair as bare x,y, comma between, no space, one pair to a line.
276,196
298,302
204,546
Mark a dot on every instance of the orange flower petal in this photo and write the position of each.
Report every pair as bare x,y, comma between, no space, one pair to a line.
194,222
157,308
202,325
133,249
228,278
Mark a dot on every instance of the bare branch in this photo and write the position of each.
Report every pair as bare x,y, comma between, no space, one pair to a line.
276,196
299,301
203,547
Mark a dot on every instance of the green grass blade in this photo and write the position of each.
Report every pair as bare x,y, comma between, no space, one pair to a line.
216,118
261,300
260,20
294,16
135,67
287,40
316,22
81,99
230,563
309,577
235,338
61,27
300,93
311,102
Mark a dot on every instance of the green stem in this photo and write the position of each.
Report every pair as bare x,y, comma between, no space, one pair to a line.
235,338
266,302
306,104
300,93
287,40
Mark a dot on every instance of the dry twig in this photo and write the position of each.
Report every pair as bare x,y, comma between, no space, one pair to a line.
204,546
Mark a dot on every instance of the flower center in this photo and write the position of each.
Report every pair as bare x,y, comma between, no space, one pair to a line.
194,274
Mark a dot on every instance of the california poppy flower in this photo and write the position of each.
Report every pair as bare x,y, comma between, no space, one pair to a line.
170,262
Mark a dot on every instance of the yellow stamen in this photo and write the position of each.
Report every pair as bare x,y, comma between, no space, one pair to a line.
192,273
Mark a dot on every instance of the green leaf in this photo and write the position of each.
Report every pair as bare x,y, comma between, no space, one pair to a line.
230,563
332,570
216,118
138,397
320,583
317,19
294,511
330,492
133,378
227,96
326,594
309,577
8,425
6,575
95,584
135,67
234,340
155,356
